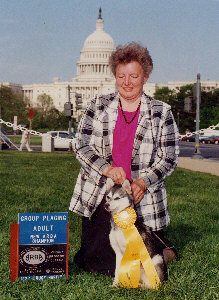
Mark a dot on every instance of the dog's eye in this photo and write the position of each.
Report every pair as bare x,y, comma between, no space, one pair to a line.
117,198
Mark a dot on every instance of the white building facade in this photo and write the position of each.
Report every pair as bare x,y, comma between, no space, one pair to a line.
93,73
93,76
206,85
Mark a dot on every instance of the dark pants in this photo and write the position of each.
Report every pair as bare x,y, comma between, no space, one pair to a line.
96,254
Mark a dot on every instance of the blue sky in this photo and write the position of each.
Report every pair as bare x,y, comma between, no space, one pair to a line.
42,39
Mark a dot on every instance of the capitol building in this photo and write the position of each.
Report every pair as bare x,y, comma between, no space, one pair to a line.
93,76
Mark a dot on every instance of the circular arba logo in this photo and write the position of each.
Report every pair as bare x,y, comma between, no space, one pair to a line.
34,257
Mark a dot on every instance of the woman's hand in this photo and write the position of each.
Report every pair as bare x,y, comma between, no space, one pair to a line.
116,173
138,188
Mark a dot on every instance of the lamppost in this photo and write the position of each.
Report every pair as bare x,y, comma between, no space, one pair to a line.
70,118
197,153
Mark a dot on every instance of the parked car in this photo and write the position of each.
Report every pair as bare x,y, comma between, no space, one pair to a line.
203,139
61,143
208,139
181,136
188,138
4,140
215,140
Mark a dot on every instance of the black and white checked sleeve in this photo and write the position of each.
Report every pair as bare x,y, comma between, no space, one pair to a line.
84,143
167,153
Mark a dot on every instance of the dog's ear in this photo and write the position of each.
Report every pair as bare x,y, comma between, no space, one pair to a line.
109,184
127,187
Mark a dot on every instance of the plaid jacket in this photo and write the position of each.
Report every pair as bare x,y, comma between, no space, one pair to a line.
154,156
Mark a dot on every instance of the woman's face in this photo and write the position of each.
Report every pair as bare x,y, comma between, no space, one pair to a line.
130,79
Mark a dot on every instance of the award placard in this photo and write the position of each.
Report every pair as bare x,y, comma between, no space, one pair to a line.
39,246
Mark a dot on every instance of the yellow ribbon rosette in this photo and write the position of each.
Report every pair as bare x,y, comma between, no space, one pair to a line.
135,253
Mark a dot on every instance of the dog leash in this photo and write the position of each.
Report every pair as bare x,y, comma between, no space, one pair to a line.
162,242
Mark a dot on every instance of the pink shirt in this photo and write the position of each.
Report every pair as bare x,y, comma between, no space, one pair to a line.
123,141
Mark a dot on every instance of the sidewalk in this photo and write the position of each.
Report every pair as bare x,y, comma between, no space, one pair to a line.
201,165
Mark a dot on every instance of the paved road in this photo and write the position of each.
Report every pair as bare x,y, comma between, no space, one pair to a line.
209,151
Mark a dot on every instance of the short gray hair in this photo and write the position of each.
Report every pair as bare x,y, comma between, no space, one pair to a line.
131,52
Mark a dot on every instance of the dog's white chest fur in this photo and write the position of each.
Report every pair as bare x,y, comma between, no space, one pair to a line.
117,240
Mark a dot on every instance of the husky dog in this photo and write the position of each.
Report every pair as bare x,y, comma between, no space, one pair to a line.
117,199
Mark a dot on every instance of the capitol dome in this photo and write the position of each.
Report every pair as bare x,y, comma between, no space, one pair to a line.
94,56
99,38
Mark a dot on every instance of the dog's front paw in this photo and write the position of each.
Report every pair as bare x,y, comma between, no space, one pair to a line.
115,284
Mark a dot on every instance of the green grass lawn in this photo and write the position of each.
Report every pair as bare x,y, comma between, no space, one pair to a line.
43,182
34,140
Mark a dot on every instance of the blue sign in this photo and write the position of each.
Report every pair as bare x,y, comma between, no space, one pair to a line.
42,228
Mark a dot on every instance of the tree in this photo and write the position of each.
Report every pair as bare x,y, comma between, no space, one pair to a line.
43,107
13,104
56,120
186,118
47,117
44,103
209,108
170,97
166,95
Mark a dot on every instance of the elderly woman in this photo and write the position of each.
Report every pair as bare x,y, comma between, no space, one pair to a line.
123,135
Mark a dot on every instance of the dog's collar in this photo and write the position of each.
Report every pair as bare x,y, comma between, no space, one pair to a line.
126,218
